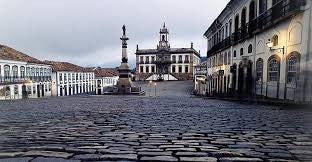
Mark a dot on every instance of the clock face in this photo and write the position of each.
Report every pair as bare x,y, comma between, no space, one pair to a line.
163,43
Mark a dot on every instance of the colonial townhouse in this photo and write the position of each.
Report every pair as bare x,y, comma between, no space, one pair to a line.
263,48
22,76
166,63
69,79
105,79
200,86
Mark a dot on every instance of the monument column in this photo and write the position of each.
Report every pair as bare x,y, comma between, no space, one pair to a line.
124,84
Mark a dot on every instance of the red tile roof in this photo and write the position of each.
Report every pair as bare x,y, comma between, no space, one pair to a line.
65,66
7,53
106,72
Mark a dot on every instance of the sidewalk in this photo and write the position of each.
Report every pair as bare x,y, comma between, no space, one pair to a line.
286,104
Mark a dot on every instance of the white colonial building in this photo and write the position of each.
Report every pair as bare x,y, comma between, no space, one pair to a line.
261,48
69,79
105,79
200,86
166,63
22,76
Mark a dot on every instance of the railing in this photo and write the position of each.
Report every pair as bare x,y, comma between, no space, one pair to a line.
163,62
11,79
280,11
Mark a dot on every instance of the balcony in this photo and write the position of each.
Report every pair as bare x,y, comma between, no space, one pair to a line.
14,80
11,80
163,62
280,11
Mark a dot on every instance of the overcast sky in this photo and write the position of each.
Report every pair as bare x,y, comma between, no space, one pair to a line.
87,32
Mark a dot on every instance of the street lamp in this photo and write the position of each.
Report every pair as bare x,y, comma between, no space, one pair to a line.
155,89
270,44
150,89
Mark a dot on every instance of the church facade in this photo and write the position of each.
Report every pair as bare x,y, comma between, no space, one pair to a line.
164,62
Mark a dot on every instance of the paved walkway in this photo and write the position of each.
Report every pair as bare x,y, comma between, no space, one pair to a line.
166,128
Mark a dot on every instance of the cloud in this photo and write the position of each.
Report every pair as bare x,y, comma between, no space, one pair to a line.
87,32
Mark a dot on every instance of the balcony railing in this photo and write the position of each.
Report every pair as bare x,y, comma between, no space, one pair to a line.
11,79
279,12
163,62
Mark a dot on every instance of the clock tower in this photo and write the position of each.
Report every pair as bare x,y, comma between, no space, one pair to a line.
164,37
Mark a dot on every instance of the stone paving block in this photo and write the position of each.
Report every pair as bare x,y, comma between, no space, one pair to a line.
163,153
158,158
171,146
92,147
281,155
198,159
119,157
191,154
42,159
80,151
281,160
86,157
111,151
226,154
48,154
24,159
9,154
182,149
301,152
239,159
149,150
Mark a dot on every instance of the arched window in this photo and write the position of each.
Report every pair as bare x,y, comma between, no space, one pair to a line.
252,11
259,70
6,72
292,69
230,27
250,48
15,71
236,23
243,19
163,37
37,71
241,51
234,54
262,6
28,73
275,40
225,59
41,71
22,72
229,58
273,69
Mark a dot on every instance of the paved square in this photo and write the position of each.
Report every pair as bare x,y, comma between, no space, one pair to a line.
166,128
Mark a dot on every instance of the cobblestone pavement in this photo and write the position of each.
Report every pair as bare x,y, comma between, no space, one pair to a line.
166,128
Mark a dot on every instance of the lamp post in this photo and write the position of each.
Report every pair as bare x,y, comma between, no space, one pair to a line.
150,88
155,89
270,44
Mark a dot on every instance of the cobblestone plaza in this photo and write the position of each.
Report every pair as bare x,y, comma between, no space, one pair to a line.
171,127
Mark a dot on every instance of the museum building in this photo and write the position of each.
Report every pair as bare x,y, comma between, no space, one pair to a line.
164,62
261,48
